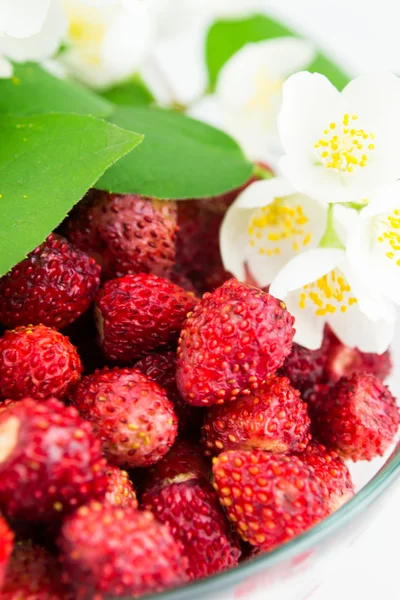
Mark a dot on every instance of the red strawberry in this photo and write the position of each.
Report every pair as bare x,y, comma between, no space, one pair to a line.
119,552
331,472
120,491
50,461
162,369
343,361
138,314
33,574
6,544
125,233
359,417
269,498
53,286
130,413
272,418
315,398
183,462
304,367
37,361
198,253
179,495
233,341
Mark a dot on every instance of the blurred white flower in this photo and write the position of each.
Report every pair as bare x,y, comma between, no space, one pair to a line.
172,16
249,91
373,247
107,40
29,31
320,287
266,226
340,147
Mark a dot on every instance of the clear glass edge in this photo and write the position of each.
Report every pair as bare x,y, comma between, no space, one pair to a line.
385,477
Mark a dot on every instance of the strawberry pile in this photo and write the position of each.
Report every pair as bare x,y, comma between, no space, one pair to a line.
172,430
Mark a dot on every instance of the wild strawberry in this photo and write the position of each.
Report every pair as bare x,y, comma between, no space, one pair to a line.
331,472
39,362
119,552
198,254
304,367
269,498
179,495
359,417
130,413
6,546
50,461
125,233
138,314
344,362
315,398
183,462
272,418
33,574
161,367
120,491
233,341
53,286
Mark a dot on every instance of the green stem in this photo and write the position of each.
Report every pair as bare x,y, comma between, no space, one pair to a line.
261,172
330,239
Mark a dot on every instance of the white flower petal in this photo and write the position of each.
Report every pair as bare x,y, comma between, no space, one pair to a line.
42,45
375,262
106,42
357,331
22,18
383,201
234,240
262,193
304,269
375,99
127,41
370,299
250,90
345,221
309,104
309,330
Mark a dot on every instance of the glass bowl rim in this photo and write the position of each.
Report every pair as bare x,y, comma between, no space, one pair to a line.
382,480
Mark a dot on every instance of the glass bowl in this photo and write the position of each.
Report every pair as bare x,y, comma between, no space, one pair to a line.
298,564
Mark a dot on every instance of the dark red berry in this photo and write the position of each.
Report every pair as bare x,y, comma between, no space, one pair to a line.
125,233
39,362
50,461
272,418
359,417
53,286
161,367
130,413
235,339
119,552
139,313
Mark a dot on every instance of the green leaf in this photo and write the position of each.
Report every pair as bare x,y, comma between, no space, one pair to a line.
47,163
32,90
133,93
180,157
225,38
